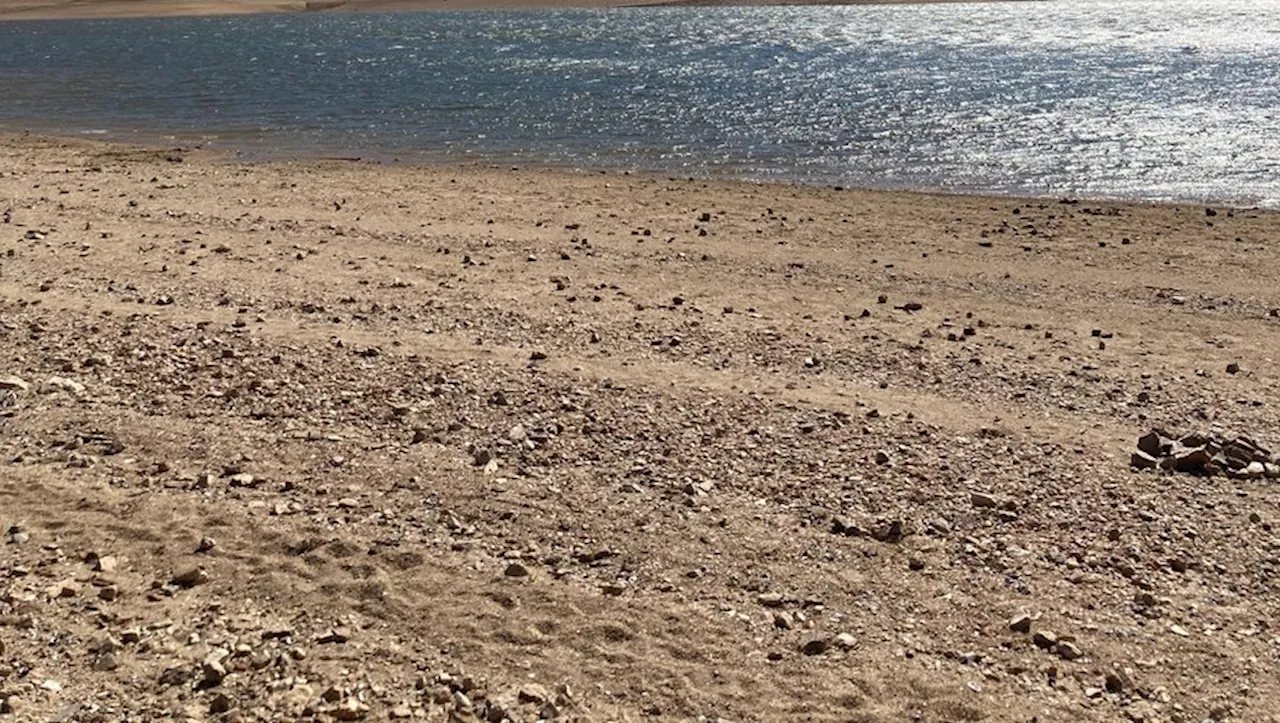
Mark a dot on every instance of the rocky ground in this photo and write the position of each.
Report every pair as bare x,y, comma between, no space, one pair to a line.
337,441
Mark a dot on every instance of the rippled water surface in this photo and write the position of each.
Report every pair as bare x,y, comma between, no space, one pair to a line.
1158,99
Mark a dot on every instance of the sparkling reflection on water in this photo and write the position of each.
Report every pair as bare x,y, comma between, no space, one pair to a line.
1156,99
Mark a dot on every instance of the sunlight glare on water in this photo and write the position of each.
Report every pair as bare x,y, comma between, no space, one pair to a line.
1153,99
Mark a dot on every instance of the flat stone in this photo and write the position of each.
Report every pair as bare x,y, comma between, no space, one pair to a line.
1068,651
533,693
335,636
770,599
277,633
846,526
62,384
1195,440
1044,639
66,588
191,577
1020,623
350,709
983,500
1142,460
107,563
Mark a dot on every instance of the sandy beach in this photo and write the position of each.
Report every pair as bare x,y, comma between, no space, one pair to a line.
340,441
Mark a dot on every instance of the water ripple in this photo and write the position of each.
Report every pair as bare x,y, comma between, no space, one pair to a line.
1155,99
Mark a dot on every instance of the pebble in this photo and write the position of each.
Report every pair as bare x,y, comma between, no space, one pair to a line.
533,693
816,646
350,709
983,500
220,704
1044,639
62,384
1020,623
1143,460
191,577
335,636
844,641
213,671
1068,651
12,705
770,599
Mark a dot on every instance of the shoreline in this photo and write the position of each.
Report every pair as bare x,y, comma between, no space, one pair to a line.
125,9
232,153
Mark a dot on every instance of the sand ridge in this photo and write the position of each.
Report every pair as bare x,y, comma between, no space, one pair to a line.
340,441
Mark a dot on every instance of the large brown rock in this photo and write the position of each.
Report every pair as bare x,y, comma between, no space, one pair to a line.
1150,443
1191,460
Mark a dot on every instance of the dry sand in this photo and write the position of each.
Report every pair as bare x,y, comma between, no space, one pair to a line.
342,442
103,9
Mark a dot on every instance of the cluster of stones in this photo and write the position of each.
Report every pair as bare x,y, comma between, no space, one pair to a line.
1206,454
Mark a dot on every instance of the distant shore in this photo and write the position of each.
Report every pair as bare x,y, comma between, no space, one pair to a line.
110,9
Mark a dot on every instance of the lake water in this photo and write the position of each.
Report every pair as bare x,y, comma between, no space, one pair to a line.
1152,99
